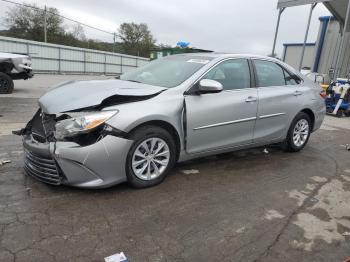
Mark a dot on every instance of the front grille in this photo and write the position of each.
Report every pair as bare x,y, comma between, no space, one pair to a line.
43,169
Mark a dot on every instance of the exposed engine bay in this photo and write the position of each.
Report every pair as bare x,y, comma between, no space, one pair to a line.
45,128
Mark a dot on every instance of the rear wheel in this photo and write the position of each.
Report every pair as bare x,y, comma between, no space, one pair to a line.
6,84
151,156
298,133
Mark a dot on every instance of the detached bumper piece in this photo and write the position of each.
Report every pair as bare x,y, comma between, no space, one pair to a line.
42,168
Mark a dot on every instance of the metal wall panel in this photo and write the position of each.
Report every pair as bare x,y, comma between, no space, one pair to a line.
51,58
94,57
129,61
345,58
330,48
72,67
76,55
45,65
293,54
330,51
113,69
94,68
127,68
11,47
113,59
141,62
43,51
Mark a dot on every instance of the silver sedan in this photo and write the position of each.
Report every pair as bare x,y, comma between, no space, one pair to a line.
95,134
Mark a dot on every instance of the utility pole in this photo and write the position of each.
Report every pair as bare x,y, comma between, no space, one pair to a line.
114,40
45,24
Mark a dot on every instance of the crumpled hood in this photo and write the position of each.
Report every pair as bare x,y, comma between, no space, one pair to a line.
77,95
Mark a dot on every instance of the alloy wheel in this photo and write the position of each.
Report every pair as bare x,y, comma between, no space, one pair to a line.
301,132
150,159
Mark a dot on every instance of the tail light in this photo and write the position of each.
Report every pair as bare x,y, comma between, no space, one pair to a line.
323,94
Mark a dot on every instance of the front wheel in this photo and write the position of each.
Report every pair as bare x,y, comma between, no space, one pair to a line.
6,84
298,133
150,157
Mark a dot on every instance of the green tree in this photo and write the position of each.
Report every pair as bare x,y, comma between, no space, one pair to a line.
136,39
78,32
28,23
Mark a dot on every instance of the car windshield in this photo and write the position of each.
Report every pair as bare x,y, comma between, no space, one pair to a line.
167,72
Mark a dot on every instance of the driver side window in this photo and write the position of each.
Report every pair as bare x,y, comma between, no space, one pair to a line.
232,74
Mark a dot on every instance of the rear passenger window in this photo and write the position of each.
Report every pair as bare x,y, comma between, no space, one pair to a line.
232,74
269,74
291,80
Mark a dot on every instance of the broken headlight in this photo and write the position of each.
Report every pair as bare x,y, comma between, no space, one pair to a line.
81,123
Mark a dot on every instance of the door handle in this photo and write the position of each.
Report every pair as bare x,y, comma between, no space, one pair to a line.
297,93
251,99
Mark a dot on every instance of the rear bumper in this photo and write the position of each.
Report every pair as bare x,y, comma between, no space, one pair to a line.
319,117
95,166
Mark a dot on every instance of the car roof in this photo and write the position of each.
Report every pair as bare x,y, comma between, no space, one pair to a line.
220,56
228,55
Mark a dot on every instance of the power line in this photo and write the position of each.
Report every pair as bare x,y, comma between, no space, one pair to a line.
70,19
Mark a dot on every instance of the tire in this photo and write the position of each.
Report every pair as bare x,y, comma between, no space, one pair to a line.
295,145
6,84
155,172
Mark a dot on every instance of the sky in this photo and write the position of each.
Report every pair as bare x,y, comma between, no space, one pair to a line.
235,26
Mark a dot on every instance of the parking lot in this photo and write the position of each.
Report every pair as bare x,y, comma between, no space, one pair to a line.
252,205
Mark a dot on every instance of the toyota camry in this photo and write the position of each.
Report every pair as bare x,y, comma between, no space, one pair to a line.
95,134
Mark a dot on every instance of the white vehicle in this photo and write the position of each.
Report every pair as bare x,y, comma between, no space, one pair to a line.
12,67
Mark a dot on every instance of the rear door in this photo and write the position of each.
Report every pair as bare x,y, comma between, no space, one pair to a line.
225,119
278,100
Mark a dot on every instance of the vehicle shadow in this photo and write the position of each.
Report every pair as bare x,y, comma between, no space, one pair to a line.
238,159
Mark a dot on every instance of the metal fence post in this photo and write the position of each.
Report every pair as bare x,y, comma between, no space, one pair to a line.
59,60
280,11
121,64
306,35
105,65
84,62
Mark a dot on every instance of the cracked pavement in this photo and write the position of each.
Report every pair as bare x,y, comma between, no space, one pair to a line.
242,206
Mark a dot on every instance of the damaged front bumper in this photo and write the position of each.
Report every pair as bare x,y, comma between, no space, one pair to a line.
98,165
25,74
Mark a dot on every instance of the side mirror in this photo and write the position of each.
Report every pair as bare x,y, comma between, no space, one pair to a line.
209,86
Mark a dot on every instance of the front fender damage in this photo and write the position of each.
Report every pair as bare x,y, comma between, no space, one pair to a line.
98,165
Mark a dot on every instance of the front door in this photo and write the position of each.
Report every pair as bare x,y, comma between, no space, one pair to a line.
225,119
